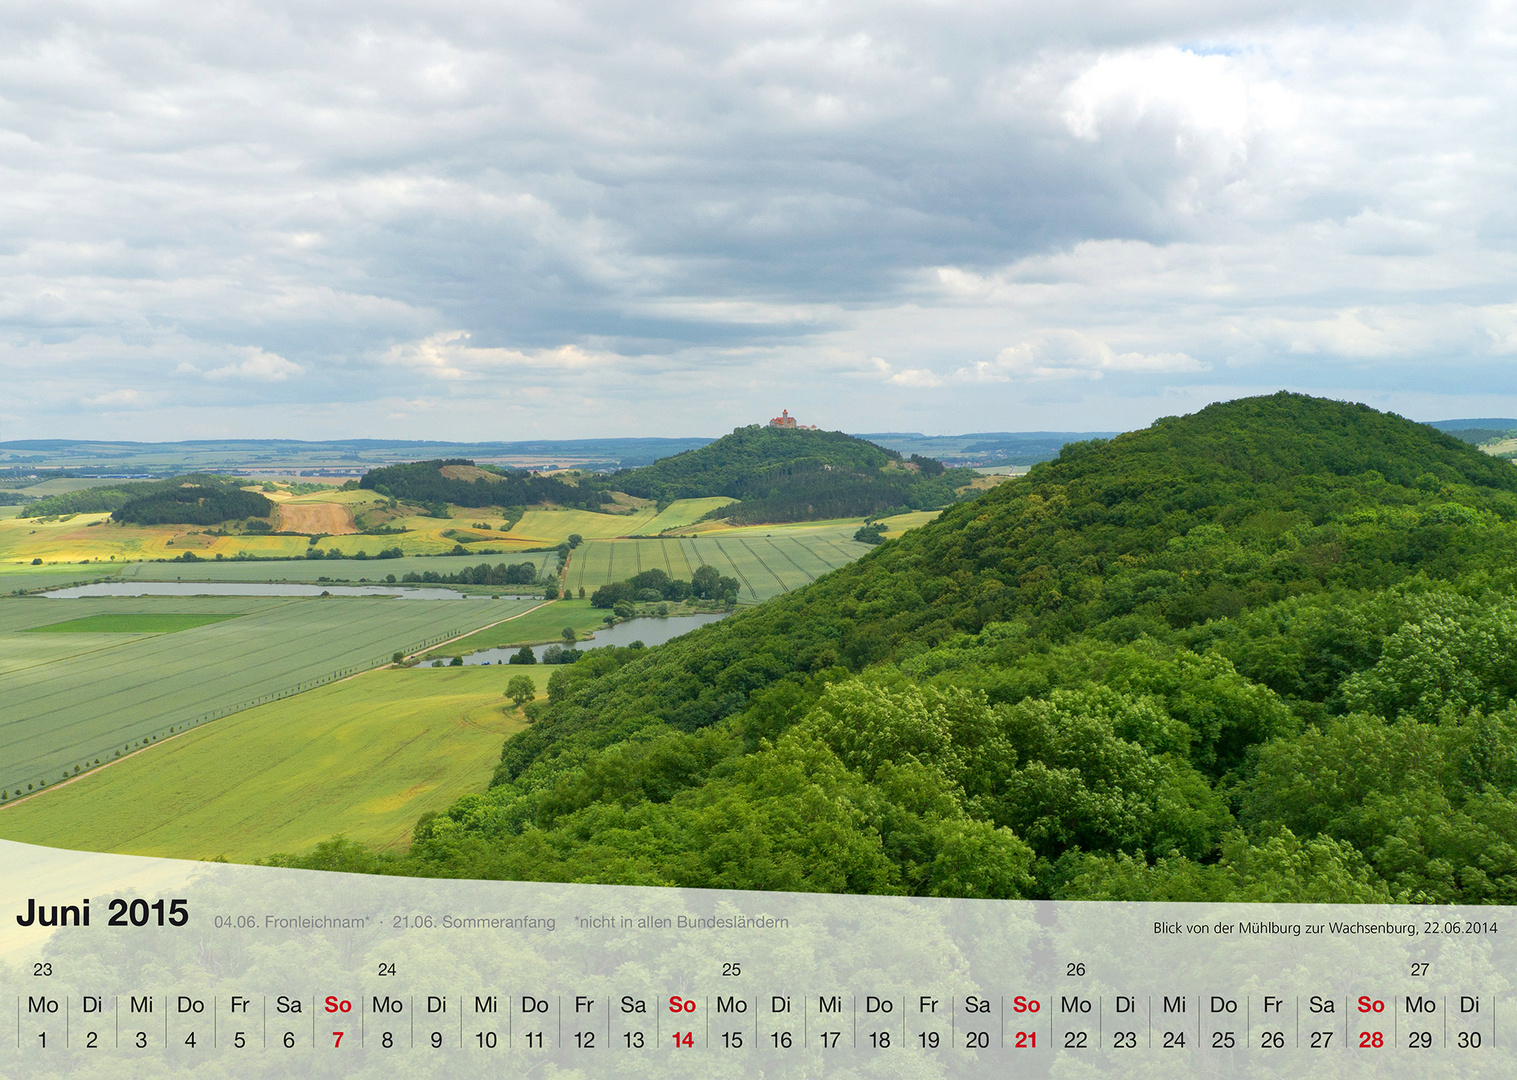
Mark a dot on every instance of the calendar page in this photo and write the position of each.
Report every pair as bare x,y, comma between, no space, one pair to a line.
122,966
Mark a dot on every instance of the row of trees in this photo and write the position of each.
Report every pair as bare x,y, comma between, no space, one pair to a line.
706,583
524,573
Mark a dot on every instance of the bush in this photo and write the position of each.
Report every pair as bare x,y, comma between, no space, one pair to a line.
524,655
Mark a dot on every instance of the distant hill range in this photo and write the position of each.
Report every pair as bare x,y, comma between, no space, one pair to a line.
337,457
1481,431
354,457
985,448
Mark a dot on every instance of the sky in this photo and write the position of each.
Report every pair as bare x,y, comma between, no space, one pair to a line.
562,218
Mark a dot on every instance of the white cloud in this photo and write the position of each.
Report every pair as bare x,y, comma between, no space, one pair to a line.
917,377
1069,354
450,355
257,366
125,398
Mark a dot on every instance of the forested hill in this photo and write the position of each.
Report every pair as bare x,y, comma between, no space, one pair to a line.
1264,652
196,499
787,474
461,482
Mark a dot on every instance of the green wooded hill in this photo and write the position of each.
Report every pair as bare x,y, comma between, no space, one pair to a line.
780,474
425,482
193,499
1264,652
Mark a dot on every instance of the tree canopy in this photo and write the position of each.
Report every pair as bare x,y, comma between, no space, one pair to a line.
1263,652
425,482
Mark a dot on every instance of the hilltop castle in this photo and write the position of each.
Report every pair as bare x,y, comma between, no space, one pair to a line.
785,420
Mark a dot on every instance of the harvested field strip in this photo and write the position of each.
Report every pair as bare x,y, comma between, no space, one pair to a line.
323,517
61,715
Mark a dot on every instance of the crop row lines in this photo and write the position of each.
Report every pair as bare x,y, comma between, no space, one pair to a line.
13,789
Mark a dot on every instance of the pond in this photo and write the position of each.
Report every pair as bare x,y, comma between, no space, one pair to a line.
234,588
648,631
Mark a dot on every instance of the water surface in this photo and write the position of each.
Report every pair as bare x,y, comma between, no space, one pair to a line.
649,631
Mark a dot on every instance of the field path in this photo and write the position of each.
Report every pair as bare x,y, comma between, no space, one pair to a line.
180,734
330,518
460,637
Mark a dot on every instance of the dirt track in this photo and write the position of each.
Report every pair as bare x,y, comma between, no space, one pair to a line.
329,518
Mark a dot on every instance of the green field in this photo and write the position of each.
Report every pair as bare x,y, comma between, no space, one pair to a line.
72,700
764,566
26,578
546,624
551,526
313,570
154,622
685,512
364,757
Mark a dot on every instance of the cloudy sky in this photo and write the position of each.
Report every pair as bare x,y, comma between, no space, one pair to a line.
567,218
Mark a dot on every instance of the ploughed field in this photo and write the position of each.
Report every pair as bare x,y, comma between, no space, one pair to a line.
73,701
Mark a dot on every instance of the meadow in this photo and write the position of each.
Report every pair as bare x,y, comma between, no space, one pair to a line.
546,624
73,701
685,512
364,757
551,526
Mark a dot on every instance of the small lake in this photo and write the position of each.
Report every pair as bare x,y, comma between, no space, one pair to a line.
233,588
648,631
